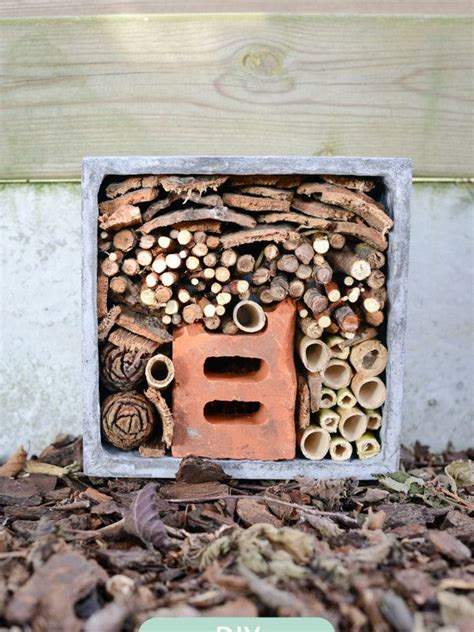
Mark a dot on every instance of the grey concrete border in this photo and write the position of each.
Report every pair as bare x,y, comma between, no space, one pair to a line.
102,460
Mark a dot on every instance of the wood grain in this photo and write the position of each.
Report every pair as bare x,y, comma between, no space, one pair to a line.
49,8
235,84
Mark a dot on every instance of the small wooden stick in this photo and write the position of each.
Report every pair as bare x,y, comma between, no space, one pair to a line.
212,323
159,264
350,263
245,264
337,241
322,272
376,280
208,309
321,243
315,300
375,258
271,252
169,278
192,263
315,387
184,237
304,272
288,263
265,295
296,288
125,240
279,288
102,295
163,294
192,313
346,319
173,261
228,258
305,252
310,327
261,276
144,257
147,242
210,260
332,291
109,267
222,274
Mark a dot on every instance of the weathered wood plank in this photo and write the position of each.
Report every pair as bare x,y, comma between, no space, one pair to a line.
237,84
55,8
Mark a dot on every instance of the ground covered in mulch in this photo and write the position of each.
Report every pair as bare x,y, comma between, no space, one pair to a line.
102,555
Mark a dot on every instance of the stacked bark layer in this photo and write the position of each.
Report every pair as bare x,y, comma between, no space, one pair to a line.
174,250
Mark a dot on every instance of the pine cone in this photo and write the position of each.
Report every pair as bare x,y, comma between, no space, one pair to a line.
122,369
127,419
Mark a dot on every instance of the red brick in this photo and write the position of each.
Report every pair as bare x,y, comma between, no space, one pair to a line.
270,433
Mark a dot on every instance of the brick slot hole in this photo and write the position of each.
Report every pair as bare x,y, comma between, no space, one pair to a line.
231,365
220,411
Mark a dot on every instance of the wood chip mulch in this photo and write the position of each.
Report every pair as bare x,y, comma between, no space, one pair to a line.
104,555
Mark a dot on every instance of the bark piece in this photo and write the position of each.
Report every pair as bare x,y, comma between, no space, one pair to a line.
303,407
102,294
254,203
350,182
122,338
271,192
315,385
127,419
135,182
167,422
251,512
138,196
376,279
449,546
209,226
371,211
358,231
53,590
194,469
195,491
144,325
175,218
158,205
320,210
190,184
122,369
278,234
108,322
123,216
280,181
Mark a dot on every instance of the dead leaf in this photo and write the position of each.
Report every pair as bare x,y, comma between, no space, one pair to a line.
15,463
460,474
251,512
194,469
143,521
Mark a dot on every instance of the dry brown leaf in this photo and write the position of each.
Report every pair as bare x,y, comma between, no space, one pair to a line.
15,463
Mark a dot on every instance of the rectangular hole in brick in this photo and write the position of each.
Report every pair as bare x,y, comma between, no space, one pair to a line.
220,411
231,365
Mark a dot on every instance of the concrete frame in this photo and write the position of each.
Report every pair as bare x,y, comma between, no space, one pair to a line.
396,173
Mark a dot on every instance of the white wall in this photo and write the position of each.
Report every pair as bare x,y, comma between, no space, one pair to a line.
40,323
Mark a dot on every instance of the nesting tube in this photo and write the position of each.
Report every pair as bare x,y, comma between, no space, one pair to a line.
249,316
337,374
340,449
369,357
374,419
367,446
345,398
314,353
353,423
159,371
338,348
328,398
329,419
314,442
369,390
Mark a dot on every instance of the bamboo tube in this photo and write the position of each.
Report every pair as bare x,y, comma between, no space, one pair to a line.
146,242
321,243
374,419
349,263
369,390
159,264
337,374
337,348
345,399
249,316
314,442
163,294
329,419
340,449
314,353
367,446
159,371
353,423
369,357
328,397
